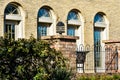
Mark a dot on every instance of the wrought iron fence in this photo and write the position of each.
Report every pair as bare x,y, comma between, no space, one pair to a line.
96,59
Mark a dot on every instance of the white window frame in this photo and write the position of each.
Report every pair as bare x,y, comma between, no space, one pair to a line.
104,36
16,19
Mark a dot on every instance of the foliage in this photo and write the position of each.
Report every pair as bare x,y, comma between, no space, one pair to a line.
99,77
61,74
30,59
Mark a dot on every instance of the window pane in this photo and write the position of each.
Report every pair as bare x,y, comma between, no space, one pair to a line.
11,9
10,31
71,31
99,18
97,47
43,12
42,30
72,15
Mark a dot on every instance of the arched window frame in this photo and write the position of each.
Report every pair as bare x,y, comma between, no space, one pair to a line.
11,15
73,22
14,21
44,18
44,21
101,25
73,18
100,20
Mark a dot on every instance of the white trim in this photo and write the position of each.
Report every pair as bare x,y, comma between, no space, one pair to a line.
45,19
13,17
100,24
74,22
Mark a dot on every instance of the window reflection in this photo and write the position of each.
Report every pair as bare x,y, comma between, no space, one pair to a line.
72,15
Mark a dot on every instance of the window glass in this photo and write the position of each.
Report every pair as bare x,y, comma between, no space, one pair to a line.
11,9
42,30
99,18
44,12
71,31
10,31
97,46
72,15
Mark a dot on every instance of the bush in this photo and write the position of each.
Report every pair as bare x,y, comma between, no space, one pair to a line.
27,59
116,76
61,74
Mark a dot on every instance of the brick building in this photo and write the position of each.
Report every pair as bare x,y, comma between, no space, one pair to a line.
93,22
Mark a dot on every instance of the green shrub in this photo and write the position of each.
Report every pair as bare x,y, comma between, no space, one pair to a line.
116,77
61,74
27,59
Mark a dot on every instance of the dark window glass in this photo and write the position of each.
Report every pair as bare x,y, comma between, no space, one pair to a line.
97,46
71,30
10,31
42,30
72,15
11,9
44,12
99,18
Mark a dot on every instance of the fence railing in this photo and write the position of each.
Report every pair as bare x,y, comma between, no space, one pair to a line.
96,58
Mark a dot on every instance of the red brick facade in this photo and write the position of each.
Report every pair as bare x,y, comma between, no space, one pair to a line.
112,58
67,45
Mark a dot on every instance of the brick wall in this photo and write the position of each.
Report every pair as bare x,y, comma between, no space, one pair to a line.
112,60
67,45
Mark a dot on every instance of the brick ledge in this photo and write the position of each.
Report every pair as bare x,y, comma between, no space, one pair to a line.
60,37
111,41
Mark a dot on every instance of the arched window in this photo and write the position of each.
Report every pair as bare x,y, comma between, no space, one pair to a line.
73,23
13,24
44,22
100,34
